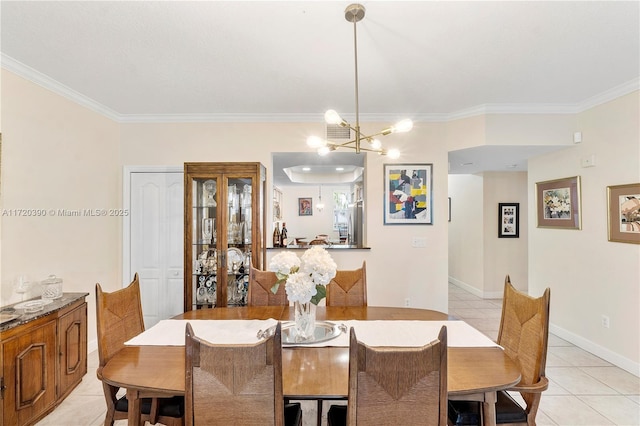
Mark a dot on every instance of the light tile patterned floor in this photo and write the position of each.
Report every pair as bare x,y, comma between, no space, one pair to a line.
584,390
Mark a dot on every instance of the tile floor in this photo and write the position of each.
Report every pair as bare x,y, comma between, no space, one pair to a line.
584,389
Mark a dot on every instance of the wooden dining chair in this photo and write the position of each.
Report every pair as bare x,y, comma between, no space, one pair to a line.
236,384
260,294
524,334
348,288
119,318
395,385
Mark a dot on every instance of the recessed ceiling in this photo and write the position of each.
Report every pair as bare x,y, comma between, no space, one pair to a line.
321,169
290,61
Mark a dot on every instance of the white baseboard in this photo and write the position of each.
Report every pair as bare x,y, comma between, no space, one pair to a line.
475,291
597,350
586,344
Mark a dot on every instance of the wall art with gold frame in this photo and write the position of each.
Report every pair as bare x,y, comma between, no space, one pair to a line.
558,203
624,213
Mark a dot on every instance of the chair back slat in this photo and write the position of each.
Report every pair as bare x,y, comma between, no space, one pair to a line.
234,384
260,294
524,332
393,385
348,288
118,317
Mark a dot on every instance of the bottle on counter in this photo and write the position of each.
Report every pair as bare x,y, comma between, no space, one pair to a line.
276,235
283,235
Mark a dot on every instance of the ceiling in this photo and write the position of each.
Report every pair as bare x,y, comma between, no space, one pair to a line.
146,61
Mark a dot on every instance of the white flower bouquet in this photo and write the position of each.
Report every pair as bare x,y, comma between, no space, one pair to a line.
306,277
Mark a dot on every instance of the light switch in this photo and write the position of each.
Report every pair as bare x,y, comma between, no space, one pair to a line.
419,242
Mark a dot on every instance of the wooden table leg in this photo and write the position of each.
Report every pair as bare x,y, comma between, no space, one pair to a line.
489,409
133,396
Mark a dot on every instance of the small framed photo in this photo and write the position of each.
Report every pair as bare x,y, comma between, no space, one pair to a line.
305,206
408,194
508,220
624,213
558,203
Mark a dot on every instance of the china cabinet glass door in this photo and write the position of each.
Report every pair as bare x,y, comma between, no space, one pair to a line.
224,232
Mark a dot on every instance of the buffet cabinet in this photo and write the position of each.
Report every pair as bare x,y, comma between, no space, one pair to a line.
43,357
224,231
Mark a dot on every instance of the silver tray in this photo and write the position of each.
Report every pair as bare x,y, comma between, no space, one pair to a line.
324,331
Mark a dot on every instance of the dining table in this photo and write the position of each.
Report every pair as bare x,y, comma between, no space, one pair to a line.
474,373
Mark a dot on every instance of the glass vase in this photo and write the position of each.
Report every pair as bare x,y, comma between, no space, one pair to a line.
304,321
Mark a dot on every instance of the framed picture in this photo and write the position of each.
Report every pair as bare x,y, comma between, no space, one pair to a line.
305,206
508,220
558,203
408,195
624,213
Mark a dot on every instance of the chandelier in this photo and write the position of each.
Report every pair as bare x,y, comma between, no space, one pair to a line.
354,13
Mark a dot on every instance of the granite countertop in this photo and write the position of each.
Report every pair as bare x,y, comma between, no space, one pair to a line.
22,317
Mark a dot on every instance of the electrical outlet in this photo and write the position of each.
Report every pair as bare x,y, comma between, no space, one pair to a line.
604,321
407,302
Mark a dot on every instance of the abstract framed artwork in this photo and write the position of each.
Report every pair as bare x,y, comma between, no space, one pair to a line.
305,206
508,220
624,213
408,194
558,203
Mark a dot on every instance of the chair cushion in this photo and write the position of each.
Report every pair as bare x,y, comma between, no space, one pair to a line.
464,413
123,405
169,407
292,414
467,413
508,410
337,415
172,407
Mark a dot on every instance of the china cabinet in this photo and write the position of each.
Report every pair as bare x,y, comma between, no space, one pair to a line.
224,231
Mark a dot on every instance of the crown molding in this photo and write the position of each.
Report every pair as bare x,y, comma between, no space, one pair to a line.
611,94
221,118
47,82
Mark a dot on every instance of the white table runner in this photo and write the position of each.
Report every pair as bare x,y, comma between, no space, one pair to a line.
372,333
171,332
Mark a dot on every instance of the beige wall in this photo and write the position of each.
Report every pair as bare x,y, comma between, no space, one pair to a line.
466,232
478,259
588,275
59,155
504,255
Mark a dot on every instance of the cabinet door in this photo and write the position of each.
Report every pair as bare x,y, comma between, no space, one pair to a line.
29,372
204,232
72,332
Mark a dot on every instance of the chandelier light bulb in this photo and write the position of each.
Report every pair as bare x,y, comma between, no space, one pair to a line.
332,117
316,142
393,153
402,126
375,143
323,150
